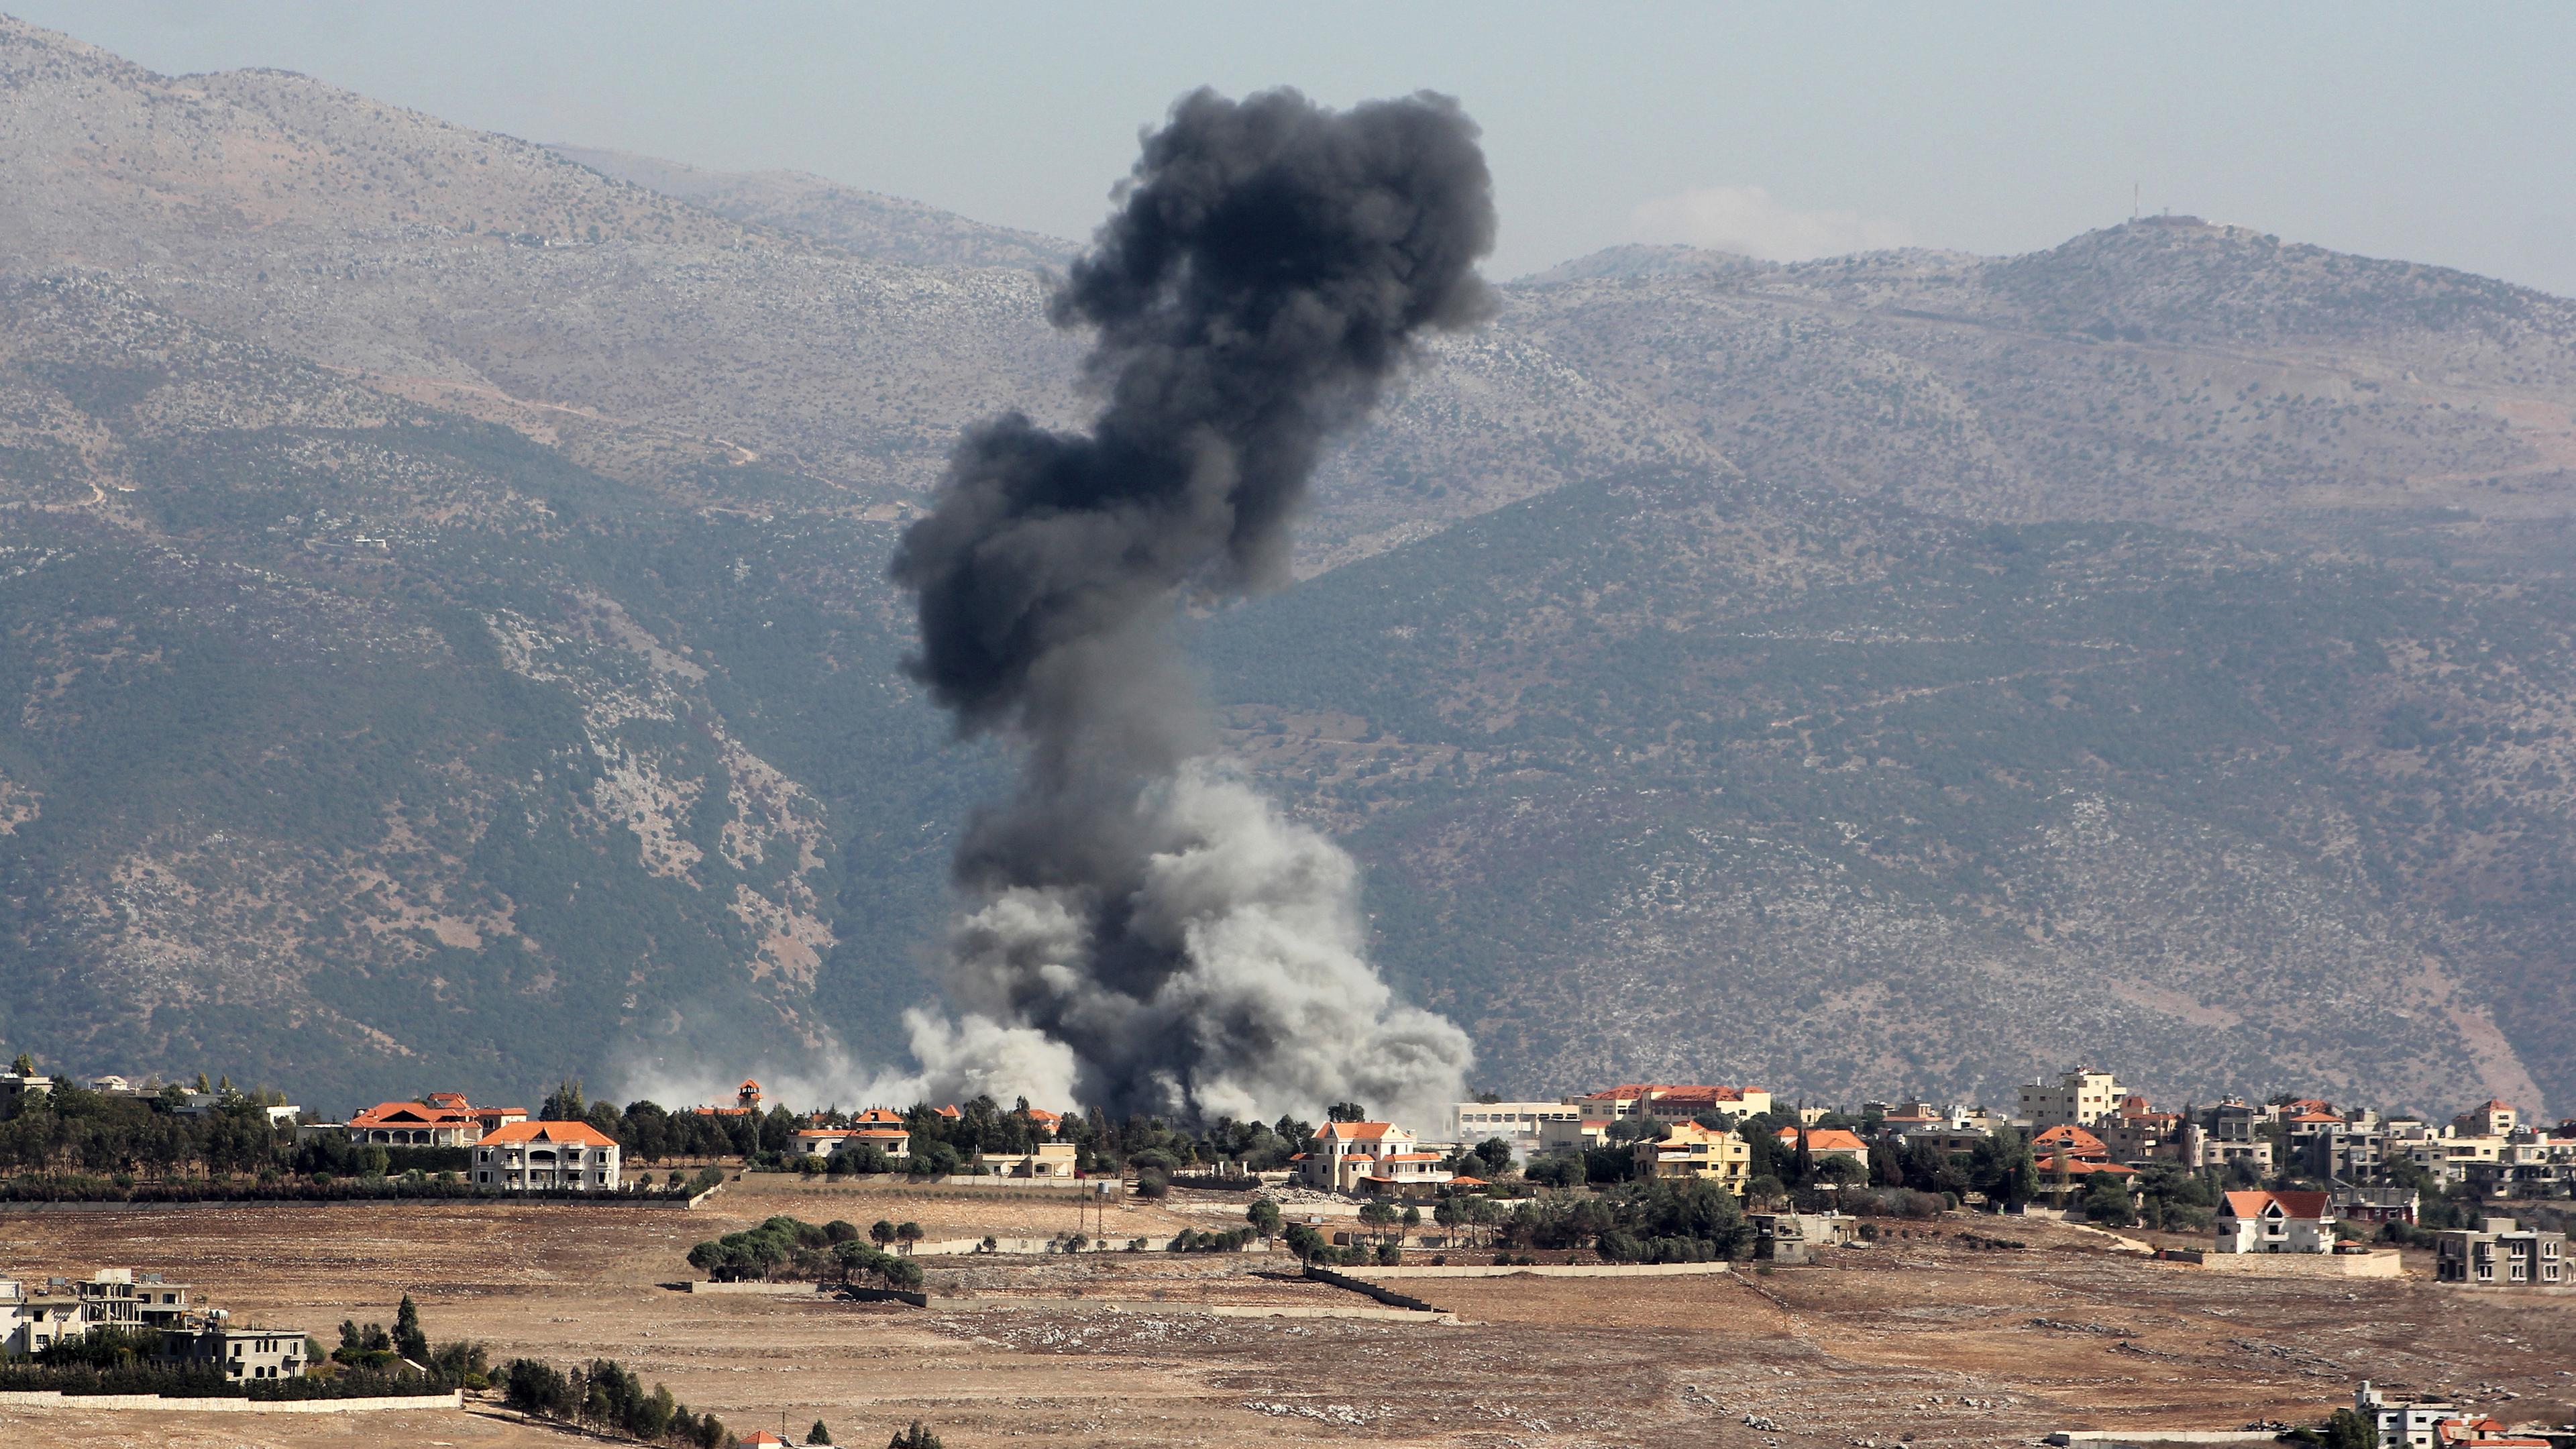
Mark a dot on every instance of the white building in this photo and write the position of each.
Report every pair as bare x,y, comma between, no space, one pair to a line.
243,1354
30,1320
1673,1101
1574,1136
2079,1098
1519,1123
537,1156
2276,1222
1368,1156
1047,1159
2403,1423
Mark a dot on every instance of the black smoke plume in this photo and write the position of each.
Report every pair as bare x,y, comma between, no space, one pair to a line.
1150,934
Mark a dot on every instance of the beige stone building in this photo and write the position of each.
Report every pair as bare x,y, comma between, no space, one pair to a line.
1691,1150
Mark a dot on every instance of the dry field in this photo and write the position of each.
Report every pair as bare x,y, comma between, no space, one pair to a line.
1924,1341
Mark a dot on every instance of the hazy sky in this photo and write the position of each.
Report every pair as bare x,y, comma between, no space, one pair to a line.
2437,133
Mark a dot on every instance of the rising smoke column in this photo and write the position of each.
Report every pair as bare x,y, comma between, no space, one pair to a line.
1149,929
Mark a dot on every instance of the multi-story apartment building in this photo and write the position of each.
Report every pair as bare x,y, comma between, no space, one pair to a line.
2493,1117
1520,1124
2340,1150
1690,1150
2080,1097
31,1319
2500,1253
1671,1102
2407,1423
244,1354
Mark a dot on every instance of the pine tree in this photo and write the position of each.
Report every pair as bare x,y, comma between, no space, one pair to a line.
818,1434
564,1103
409,1340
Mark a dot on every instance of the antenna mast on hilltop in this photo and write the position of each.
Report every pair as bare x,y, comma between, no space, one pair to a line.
2133,200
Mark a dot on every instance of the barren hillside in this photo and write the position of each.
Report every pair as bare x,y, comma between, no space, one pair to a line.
444,605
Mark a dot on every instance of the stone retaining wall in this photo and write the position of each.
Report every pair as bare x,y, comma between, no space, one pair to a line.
1561,1270
1387,1296
2380,1263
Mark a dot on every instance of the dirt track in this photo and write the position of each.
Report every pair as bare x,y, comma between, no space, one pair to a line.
1927,1341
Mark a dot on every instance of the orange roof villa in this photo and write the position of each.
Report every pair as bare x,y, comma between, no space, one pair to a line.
547,1156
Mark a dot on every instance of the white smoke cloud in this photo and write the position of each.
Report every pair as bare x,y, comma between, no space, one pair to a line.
1274,1000
977,1056
827,1077
1750,221
956,1060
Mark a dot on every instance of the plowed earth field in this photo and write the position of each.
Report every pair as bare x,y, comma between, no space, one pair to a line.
1924,1341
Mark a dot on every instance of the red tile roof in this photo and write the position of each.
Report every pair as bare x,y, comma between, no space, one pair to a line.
567,1133
2293,1204
410,1114
2072,1140
1825,1139
1355,1131
2079,1167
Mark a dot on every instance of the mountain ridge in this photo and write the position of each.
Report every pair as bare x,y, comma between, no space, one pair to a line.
447,644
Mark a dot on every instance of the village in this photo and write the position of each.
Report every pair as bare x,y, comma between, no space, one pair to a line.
1708,1192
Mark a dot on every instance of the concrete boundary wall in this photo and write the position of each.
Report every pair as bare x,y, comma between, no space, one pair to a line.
1165,1309
895,1184
1044,1247
52,1399
2162,1437
1561,1270
379,1204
